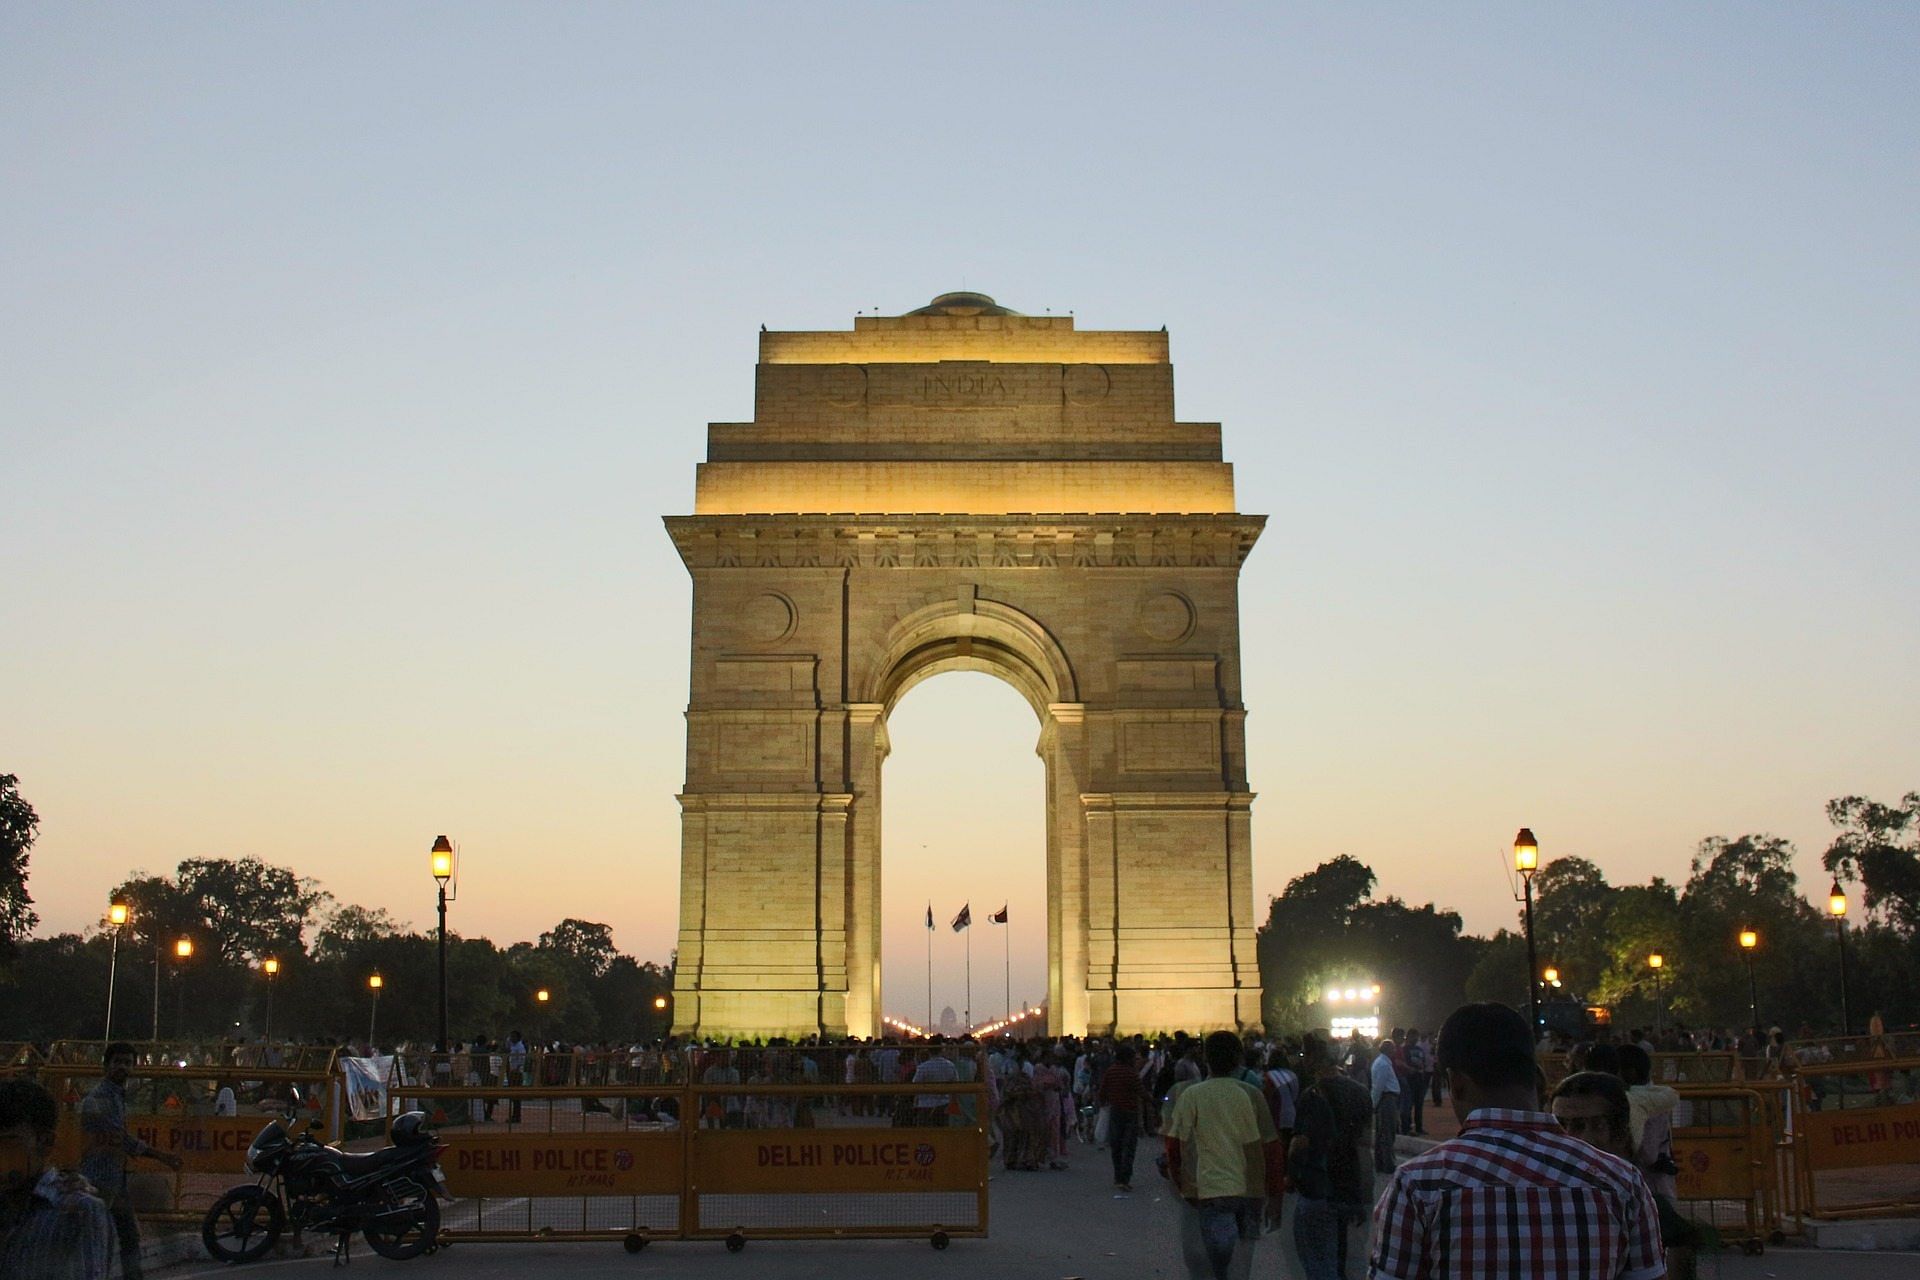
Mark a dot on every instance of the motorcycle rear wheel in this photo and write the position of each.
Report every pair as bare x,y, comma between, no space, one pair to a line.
242,1225
414,1238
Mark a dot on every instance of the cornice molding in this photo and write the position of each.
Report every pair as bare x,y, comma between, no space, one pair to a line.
1100,541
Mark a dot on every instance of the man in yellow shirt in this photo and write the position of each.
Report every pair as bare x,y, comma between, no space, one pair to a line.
1227,1143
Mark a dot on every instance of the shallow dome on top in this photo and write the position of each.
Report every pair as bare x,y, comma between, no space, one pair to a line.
963,304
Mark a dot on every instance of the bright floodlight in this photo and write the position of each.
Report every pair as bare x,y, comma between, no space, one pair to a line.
1333,995
117,913
1352,994
1553,975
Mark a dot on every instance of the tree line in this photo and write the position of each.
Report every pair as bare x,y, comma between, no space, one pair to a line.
240,913
1326,930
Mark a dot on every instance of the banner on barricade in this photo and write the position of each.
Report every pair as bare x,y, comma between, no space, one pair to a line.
645,1163
366,1082
1861,1136
802,1160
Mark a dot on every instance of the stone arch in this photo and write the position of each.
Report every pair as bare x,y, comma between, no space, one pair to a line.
969,633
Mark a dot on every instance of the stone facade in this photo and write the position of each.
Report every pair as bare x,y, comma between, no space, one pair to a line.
965,488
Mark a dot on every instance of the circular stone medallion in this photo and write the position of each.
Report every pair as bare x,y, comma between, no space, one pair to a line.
768,618
1087,383
846,385
1167,617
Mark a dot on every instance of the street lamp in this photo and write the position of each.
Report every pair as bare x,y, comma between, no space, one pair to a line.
117,915
270,967
182,952
1657,962
374,983
1526,860
442,862
660,1007
1837,908
1749,939
1552,976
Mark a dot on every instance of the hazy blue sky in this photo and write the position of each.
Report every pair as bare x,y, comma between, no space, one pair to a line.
349,356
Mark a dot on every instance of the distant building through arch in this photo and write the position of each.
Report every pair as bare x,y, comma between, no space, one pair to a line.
965,488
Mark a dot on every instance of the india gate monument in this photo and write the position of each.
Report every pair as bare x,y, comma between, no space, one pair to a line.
965,488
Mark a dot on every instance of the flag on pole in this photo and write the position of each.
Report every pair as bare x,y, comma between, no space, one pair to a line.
929,915
1000,916
964,919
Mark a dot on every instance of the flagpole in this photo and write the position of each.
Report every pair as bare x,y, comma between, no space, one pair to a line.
1009,941
929,966
969,933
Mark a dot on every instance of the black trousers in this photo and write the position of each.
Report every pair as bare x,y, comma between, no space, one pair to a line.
120,1206
1123,1139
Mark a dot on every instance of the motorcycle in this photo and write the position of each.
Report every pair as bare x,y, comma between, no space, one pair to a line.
390,1196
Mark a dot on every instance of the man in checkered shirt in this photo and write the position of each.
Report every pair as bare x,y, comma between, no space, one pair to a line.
1514,1195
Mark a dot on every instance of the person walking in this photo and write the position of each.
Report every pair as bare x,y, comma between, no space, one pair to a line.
1418,1055
1228,1158
1120,1093
1514,1194
1386,1106
110,1145
1327,1165
52,1227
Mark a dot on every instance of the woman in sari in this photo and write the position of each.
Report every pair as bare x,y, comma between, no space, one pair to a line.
1055,1088
1023,1142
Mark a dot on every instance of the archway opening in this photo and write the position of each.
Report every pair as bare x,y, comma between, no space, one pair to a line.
963,822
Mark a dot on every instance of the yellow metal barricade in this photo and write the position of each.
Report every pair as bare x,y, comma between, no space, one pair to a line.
1725,1153
172,1103
776,1155
739,1144
1858,1137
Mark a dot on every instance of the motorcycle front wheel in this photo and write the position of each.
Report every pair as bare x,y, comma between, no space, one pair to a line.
243,1224
408,1225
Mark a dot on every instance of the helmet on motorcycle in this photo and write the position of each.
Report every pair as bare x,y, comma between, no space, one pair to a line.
411,1128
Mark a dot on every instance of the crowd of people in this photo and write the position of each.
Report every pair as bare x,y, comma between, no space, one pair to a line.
1292,1135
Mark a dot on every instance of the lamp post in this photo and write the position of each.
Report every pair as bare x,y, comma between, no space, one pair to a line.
660,1007
541,997
374,983
1526,860
182,952
117,914
442,861
270,967
1837,908
1749,939
1657,962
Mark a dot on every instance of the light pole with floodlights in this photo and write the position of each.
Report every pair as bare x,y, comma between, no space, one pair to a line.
1837,908
117,915
182,952
1658,962
1749,939
374,983
270,967
1526,860
442,873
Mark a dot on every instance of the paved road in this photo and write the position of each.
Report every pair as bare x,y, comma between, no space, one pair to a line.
1046,1226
